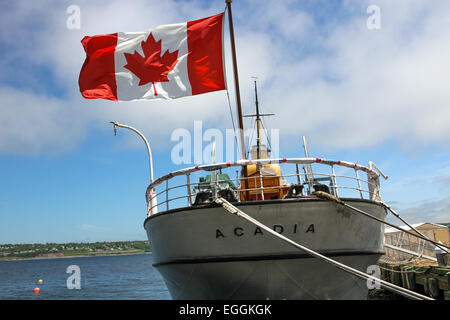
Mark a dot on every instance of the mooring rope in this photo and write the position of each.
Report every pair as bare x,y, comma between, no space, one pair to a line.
387,285
330,197
439,245
394,261
410,270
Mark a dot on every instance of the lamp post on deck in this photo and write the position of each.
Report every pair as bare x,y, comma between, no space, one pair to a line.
151,205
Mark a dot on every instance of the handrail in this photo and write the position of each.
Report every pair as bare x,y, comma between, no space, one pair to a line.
164,203
260,190
194,184
216,166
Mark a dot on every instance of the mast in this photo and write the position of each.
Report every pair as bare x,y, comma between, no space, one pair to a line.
236,82
258,124
258,116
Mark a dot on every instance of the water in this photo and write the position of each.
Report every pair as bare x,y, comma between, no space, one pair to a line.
102,278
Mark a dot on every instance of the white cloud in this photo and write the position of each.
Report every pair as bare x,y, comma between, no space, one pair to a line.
385,86
30,123
337,81
437,211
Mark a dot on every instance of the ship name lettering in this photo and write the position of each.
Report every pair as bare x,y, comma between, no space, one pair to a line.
219,234
239,231
310,228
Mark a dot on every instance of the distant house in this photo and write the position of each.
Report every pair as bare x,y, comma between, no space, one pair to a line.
49,255
433,231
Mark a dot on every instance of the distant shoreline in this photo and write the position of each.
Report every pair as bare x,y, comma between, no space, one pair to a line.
39,251
76,256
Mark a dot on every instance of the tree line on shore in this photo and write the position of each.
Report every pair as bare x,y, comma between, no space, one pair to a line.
8,251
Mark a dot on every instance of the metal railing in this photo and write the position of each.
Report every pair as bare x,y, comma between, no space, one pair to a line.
185,193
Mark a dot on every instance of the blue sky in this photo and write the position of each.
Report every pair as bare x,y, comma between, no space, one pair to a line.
357,94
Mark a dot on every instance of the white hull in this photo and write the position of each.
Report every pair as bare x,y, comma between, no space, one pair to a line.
207,253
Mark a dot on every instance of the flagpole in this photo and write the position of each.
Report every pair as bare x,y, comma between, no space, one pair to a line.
236,80
238,97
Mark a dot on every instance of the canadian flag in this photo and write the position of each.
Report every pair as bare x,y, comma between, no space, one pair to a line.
169,61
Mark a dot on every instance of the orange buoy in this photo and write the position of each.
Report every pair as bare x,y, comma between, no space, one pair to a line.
40,281
36,290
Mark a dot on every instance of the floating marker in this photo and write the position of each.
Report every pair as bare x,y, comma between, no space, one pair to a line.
36,290
40,281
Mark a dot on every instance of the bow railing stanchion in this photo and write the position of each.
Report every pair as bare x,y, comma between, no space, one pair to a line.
359,184
188,182
261,181
167,195
333,174
152,204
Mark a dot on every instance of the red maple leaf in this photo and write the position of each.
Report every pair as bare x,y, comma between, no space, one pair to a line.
152,67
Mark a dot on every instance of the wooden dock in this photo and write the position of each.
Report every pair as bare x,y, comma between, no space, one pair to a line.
425,278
